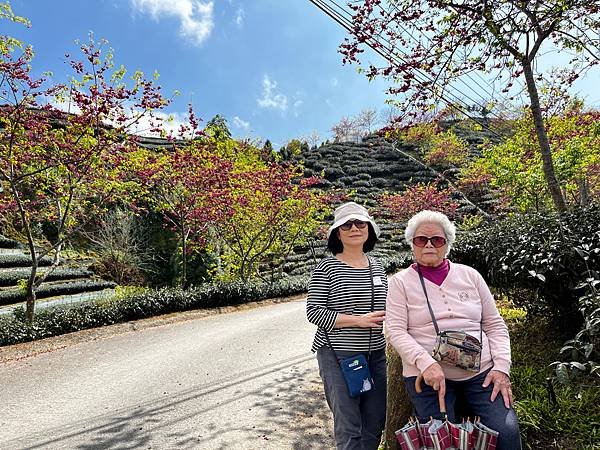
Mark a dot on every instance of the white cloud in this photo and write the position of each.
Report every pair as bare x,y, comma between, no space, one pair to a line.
239,17
297,105
239,123
141,126
271,99
195,16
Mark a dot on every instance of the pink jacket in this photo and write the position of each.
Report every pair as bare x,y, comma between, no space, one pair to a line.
457,305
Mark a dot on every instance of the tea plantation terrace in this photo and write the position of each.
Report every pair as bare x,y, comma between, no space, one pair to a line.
71,282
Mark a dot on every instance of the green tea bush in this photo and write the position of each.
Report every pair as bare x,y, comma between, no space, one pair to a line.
9,243
549,254
549,264
21,261
11,277
50,290
551,416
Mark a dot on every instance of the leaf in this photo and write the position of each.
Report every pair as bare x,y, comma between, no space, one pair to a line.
541,277
562,374
578,365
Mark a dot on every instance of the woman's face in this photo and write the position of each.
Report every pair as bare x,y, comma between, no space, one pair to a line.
429,255
354,237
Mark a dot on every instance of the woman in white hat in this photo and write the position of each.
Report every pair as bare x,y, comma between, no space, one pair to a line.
346,300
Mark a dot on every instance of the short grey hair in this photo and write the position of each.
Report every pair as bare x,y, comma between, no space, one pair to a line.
430,217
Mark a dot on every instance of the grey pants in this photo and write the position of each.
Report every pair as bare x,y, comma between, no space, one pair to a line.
358,422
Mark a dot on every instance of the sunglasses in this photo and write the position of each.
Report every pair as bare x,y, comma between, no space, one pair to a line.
348,225
436,241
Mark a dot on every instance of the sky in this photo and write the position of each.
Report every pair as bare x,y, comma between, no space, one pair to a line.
270,67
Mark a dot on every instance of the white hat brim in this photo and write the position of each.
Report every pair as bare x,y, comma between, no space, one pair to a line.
354,217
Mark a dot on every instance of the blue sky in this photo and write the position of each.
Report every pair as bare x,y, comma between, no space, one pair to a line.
271,67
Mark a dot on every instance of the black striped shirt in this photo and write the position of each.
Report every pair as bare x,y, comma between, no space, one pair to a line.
335,287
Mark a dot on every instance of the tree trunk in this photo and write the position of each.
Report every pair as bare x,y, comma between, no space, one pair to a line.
399,407
183,258
30,291
540,131
584,192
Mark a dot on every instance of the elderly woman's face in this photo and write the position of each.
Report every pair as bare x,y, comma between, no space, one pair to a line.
429,255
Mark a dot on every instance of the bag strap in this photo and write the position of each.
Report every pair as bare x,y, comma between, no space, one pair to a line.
435,325
372,309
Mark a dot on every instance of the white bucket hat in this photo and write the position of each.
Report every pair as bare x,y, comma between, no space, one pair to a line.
351,211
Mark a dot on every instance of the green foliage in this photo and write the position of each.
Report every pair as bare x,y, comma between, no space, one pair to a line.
217,128
392,264
272,211
22,261
514,167
549,254
470,222
555,258
8,297
571,422
9,243
8,43
582,353
122,292
439,148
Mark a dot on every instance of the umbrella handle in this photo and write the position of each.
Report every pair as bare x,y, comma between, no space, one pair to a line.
441,399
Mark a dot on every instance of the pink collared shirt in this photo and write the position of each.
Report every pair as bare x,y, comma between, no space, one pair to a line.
462,301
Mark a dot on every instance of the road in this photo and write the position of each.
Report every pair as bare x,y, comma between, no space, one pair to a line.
244,379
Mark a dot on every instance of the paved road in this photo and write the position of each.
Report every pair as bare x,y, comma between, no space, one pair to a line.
230,381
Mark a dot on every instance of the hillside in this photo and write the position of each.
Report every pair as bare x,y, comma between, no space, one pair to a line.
366,170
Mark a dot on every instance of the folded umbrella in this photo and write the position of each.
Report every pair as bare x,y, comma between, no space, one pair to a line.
441,434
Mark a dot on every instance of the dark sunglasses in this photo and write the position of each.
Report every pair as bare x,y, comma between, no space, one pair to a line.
436,241
348,225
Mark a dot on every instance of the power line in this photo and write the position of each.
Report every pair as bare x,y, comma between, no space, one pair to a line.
429,40
391,52
389,55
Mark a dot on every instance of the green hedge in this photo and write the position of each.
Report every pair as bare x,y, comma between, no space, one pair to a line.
12,277
8,297
21,261
60,320
548,254
9,243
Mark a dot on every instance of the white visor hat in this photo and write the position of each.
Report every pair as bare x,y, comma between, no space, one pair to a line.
351,211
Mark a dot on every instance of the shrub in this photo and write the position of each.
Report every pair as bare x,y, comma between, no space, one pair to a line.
9,243
11,277
550,416
50,290
21,261
549,254
549,265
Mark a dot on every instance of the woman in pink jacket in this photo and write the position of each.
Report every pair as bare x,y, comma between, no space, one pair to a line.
436,294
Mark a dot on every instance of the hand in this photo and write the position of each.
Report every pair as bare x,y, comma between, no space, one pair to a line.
501,384
434,377
371,320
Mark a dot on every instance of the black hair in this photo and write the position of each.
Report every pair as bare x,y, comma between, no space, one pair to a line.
335,246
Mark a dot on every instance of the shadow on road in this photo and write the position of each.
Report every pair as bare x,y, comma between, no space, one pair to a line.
280,406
